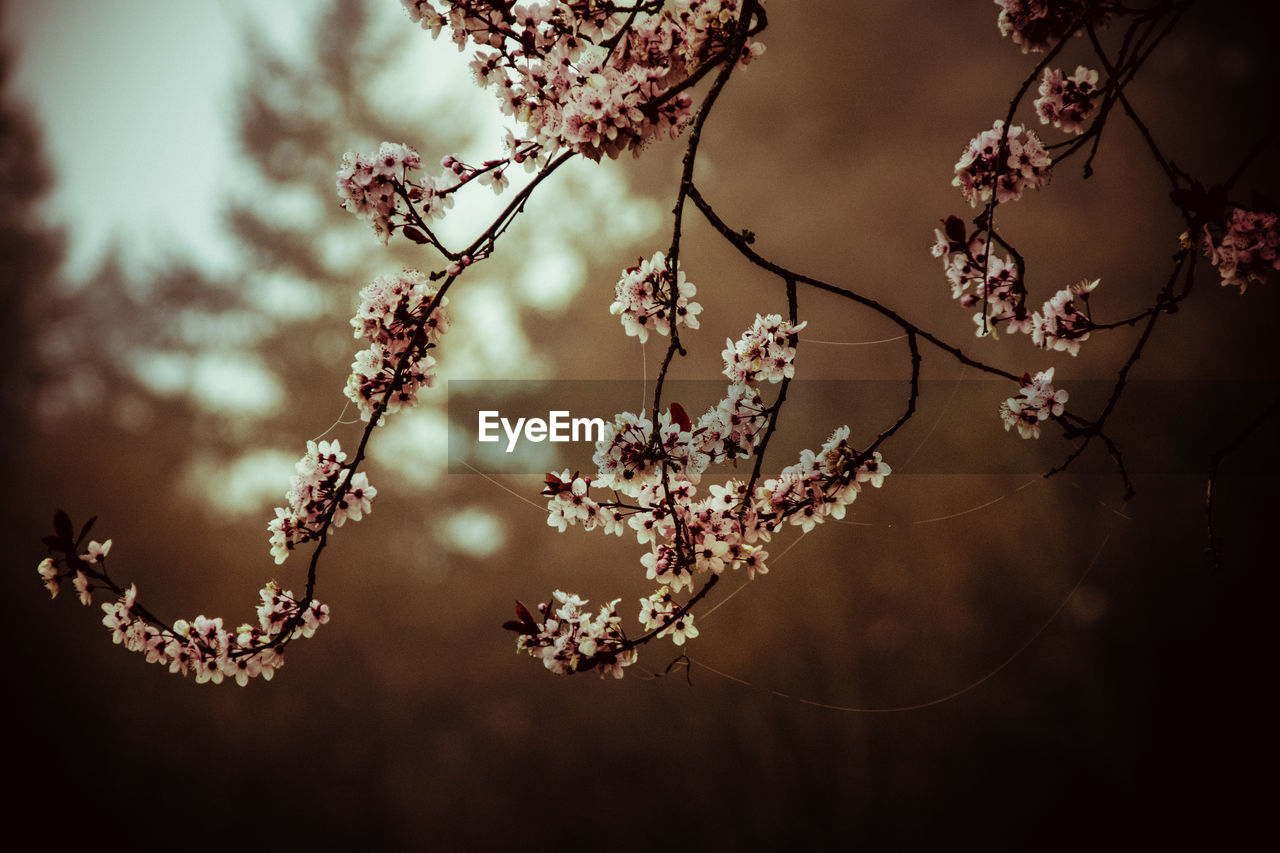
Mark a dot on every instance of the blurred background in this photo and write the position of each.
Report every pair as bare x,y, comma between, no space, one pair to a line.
179,277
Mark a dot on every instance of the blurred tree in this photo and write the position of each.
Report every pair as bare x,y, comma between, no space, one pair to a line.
29,250
241,368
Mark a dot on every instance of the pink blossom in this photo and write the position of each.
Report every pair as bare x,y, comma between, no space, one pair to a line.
982,170
97,552
393,317
375,187
1037,24
571,640
312,498
644,299
551,69
1037,401
1249,251
356,501
665,566
83,589
568,502
1059,324
49,576
628,459
763,353
1067,102
680,629
203,645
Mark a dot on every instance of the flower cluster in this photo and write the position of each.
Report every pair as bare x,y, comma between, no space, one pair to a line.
1037,24
1249,251
980,278
821,484
630,462
320,495
393,317
765,352
569,504
569,639
1037,401
630,456
730,429
490,173
597,78
1003,296
1059,325
644,299
202,647
653,469
1067,102
981,170
377,187
660,610
401,316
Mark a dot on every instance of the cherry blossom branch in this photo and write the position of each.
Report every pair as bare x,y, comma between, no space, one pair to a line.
686,183
423,232
986,221
913,331
1172,172
1126,68
206,647
681,533
1186,258
419,345
597,79
776,408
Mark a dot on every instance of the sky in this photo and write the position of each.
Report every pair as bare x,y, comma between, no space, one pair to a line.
133,99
